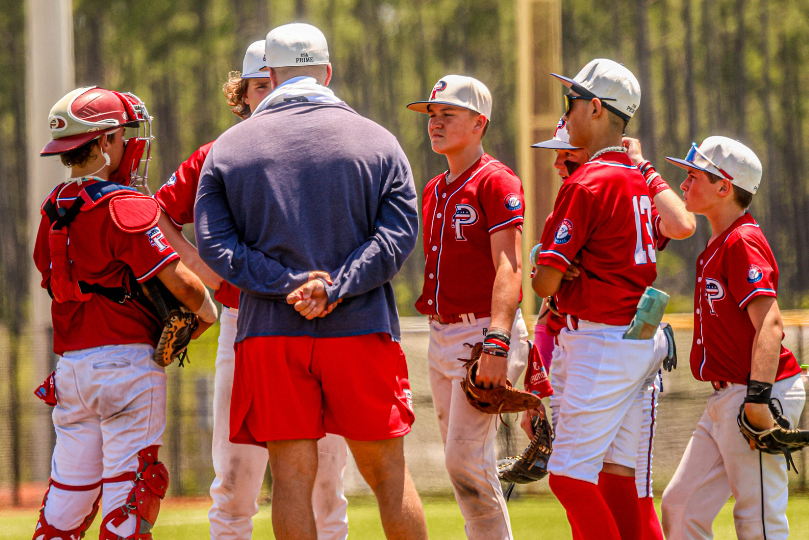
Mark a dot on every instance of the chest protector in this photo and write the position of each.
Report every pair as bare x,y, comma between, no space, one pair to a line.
131,211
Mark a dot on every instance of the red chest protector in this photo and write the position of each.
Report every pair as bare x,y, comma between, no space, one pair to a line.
131,211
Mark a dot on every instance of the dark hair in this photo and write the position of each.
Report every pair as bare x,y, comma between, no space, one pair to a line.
742,197
78,157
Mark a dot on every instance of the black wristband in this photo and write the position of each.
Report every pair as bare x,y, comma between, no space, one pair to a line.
758,392
496,333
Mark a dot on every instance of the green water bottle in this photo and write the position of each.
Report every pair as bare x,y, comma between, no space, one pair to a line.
650,312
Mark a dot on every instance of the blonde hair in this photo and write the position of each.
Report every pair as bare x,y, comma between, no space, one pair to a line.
235,90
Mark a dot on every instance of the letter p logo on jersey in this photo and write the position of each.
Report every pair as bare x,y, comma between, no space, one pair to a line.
464,215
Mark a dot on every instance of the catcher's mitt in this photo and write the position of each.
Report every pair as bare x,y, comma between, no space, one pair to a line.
178,324
670,361
502,399
532,465
779,439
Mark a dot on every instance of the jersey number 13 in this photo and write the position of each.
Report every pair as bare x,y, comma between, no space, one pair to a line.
644,251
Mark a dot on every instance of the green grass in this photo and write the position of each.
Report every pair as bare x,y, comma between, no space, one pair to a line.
530,518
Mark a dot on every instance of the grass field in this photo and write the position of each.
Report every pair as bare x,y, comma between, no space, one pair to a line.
531,518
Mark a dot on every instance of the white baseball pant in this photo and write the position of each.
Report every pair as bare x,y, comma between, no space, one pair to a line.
240,468
597,406
718,462
111,403
468,434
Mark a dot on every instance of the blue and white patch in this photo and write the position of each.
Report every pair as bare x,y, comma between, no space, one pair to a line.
564,232
172,179
157,239
754,274
512,202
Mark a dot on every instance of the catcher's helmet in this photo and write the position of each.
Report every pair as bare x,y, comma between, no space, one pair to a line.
87,113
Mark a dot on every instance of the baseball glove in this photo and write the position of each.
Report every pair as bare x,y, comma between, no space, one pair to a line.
178,324
779,439
502,399
670,361
532,465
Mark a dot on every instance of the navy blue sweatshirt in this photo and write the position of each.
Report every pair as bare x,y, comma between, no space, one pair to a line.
300,187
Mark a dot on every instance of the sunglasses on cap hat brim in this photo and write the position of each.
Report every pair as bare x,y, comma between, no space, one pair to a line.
699,161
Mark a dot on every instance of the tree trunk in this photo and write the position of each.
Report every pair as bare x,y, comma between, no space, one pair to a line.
671,79
739,80
646,112
690,91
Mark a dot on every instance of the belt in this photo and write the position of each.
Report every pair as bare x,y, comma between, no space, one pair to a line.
719,385
463,317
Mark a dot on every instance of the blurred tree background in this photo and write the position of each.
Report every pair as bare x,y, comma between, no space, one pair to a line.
730,67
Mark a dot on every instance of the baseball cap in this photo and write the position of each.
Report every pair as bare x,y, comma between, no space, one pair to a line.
83,115
459,91
561,139
296,44
609,81
725,158
255,61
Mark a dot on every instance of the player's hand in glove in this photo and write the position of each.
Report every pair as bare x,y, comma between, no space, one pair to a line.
532,465
497,400
777,437
492,371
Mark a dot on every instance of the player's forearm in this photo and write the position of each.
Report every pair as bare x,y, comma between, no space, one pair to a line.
767,348
188,253
546,281
506,296
675,221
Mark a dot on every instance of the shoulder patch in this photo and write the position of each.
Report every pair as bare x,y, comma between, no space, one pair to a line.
512,202
134,214
754,274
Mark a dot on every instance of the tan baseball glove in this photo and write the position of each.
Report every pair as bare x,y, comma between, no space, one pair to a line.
498,400
779,439
178,324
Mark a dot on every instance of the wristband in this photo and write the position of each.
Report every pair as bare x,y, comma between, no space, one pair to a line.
498,333
758,392
532,258
207,311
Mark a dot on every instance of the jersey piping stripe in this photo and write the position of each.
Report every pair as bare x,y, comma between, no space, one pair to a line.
515,218
651,442
157,267
756,292
551,252
611,164
443,220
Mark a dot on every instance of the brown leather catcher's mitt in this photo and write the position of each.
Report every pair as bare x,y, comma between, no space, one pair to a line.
178,324
532,465
502,399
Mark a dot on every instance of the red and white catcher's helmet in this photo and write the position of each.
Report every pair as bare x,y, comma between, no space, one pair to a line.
87,113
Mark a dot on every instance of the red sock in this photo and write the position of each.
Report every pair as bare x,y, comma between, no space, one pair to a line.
621,496
587,511
574,531
650,524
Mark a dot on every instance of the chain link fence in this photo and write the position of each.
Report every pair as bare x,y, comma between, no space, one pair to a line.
27,436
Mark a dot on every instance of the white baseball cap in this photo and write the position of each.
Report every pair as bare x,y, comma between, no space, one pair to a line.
296,44
726,159
611,82
255,61
459,91
561,139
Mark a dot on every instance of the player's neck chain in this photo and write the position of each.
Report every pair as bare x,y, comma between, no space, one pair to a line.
608,149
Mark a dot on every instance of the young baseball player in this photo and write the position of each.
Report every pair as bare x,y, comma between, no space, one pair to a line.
677,221
98,240
240,468
604,215
472,216
322,188
737,348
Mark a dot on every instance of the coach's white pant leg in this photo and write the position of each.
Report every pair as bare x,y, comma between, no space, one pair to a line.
699,487
328,498
643,466
239,468
604,374
518,350
78,433
470,435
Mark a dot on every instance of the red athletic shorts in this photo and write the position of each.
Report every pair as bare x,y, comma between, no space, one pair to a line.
287,388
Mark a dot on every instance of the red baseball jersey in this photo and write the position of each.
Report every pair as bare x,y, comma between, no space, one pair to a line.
177,197
735,268
603,214
102,254
458,220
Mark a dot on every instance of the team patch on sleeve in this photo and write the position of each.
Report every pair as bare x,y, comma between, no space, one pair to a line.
512,202
564,232
157,239
754,274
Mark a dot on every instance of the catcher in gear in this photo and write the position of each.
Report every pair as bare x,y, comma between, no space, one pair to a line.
98,242
737,348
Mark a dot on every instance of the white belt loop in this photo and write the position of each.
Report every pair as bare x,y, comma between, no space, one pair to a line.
473,321
465,319
570,323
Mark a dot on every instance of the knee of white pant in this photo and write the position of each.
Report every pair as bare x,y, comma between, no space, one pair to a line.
67,511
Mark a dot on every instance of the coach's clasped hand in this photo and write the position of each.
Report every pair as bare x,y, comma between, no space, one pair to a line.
311,299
